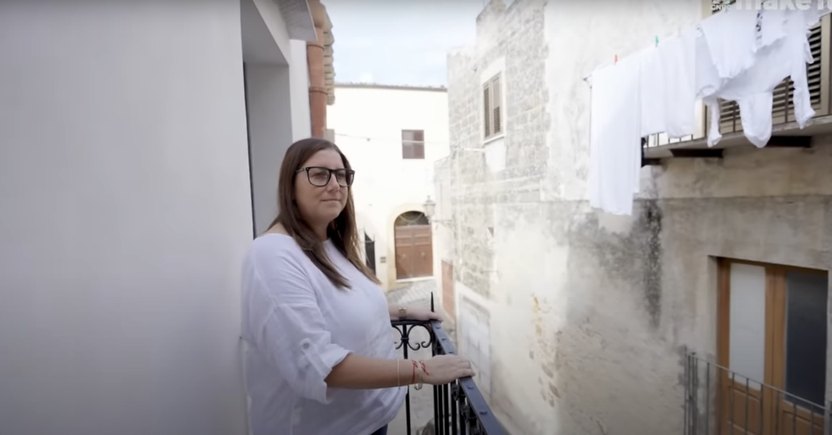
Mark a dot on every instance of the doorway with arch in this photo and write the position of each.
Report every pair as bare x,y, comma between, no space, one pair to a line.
414,245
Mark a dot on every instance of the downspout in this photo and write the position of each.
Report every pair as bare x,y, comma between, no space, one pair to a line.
319,62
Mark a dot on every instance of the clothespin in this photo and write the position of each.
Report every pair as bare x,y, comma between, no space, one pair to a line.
615,59
657,40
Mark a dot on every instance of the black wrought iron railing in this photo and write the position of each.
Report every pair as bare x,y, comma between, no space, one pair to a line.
458,407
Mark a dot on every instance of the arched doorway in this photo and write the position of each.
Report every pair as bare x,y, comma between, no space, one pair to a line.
414,245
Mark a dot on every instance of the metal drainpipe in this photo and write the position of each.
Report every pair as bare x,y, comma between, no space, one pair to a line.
315,63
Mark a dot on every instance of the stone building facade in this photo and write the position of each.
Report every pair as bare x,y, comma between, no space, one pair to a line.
578,321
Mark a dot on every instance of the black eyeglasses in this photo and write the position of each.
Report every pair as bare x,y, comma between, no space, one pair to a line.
319,176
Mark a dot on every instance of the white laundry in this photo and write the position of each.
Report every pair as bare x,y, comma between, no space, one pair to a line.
615,144
652,93
712,104
707,84
707,80
731,39
677,58
752,89
816,10
772,27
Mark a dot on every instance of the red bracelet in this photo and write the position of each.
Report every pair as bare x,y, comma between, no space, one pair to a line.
424,368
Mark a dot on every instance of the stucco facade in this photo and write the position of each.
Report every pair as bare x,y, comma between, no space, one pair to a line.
139,148
367,122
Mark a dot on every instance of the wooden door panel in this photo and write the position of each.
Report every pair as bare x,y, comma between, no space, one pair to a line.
414,251
745,405
797,420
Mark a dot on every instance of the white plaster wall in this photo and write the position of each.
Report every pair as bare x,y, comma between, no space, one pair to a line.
299,90
277,87
275,21
126,210
270,134
368,122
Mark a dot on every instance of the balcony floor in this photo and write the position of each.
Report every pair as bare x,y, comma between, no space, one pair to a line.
817,126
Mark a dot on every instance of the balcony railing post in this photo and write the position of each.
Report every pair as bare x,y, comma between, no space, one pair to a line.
687,395
459,407
695,394
827,419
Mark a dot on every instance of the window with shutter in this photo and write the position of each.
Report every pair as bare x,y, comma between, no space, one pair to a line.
413,144
492,105
486,101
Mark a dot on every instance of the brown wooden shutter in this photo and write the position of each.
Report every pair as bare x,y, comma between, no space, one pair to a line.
487,112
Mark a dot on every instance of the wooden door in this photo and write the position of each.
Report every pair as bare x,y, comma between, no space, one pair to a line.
414,251
772,336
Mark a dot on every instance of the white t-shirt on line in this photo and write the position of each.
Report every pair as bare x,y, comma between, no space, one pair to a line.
296,326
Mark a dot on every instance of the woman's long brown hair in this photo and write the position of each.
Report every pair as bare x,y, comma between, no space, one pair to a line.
342,231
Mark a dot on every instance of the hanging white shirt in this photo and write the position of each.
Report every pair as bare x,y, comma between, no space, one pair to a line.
731,36
615,140
752,89
297,326
772,27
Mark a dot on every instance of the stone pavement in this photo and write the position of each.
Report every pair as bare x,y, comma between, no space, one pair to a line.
413,292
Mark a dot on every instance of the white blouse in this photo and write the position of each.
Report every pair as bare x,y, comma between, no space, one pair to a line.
296,326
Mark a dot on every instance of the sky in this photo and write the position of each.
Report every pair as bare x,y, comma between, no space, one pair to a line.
399,42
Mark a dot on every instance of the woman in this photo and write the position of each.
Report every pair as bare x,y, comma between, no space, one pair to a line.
320,356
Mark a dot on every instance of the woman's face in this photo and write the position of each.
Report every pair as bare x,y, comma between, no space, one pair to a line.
318,194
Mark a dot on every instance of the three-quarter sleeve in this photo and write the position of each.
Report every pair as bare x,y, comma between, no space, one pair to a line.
288,327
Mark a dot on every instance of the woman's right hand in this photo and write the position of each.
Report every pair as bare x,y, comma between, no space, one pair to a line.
443,369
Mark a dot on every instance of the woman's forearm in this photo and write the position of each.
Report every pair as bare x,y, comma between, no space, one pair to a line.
356,371
397,312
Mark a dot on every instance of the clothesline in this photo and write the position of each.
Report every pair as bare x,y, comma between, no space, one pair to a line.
387,139
656,42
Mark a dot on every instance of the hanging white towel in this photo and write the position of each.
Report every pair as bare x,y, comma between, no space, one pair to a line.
677,58
653,90
615,144
752,89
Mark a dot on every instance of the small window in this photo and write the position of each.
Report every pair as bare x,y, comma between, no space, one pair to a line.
492,107
413,144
